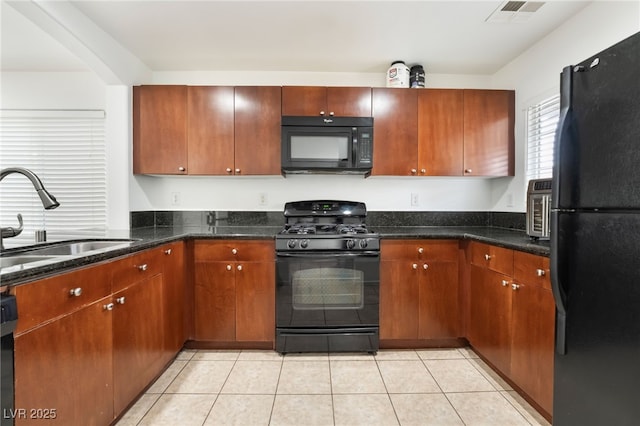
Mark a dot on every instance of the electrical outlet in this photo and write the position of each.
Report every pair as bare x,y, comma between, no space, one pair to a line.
414,199
175,198
262,199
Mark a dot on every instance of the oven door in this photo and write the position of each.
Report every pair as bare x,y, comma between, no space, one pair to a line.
327,290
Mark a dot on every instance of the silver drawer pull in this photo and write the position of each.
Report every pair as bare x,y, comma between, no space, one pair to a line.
143,267
420,250
75,291
229,267
515,286
487,257
540,272
425,266
239,267
505,283
229,169
120,300
108,307
234,251
167,251
414,266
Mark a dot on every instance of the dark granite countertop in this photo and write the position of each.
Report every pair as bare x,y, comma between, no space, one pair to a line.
149,237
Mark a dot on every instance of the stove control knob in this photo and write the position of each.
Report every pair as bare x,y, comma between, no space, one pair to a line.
304,243
291,243
350,244
363,243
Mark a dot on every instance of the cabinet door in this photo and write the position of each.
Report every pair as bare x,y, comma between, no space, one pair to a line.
138,339
440,132
210,130
399,307
257,130
439,301
395,132
304,100
215,301
532,347
489,329
255,301
66,366
174,298
488,132
349,101
160,129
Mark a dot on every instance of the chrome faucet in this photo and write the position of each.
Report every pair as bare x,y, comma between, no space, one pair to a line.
49,202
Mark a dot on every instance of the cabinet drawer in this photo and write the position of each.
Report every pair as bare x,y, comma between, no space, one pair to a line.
236,250
46,299
135,268
492,257
531,269
426,250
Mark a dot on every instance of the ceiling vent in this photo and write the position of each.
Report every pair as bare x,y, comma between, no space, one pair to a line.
515,11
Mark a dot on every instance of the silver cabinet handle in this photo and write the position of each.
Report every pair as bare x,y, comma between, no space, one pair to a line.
234,251
505,283
181,169
229,169
468,170
143,267
120,300
420,250
108,307
239,267
237,171
414,171
75,291
423,171
167,251
425,266
487,257
229,267
321,112
414,266
331,113
540,272
515,286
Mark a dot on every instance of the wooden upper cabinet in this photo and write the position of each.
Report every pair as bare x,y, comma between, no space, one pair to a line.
210,130
440,132
489,117
160,130
257,130
327,101
395,130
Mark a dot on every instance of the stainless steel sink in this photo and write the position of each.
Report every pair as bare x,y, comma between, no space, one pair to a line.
79,248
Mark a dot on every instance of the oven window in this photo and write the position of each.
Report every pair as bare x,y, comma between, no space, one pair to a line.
325,147
328,288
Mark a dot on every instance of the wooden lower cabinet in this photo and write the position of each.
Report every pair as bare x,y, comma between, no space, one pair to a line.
511,319
63,370
234,291
138,339
175,298
419,294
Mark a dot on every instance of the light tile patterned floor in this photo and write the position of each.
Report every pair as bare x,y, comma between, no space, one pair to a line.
423,387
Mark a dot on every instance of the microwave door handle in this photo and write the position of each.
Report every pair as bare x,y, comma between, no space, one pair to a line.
354,149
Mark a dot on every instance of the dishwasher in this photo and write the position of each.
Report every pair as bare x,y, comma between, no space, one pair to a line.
8,321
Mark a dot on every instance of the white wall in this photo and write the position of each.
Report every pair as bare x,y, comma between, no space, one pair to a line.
535,75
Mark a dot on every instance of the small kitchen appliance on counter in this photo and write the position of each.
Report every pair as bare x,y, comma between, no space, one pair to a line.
327,279
539,208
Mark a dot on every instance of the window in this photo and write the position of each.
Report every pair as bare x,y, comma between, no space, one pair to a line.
66,149
542,120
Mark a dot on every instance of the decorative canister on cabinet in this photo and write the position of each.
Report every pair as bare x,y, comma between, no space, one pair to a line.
398,74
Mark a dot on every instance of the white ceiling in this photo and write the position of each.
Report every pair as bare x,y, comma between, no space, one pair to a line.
447,37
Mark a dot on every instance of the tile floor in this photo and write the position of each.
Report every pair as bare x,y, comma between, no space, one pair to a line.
412,387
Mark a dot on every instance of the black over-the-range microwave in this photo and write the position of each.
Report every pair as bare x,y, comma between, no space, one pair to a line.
327,145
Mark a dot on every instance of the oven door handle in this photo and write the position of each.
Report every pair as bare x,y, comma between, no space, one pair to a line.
318,255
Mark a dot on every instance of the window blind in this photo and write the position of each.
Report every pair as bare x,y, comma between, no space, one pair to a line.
66,149
542,120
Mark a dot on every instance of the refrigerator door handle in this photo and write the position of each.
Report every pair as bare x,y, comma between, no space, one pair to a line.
559,293
562,138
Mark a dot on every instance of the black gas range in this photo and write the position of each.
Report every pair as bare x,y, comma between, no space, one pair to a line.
327,279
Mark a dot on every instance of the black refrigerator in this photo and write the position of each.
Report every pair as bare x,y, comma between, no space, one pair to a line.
595,240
